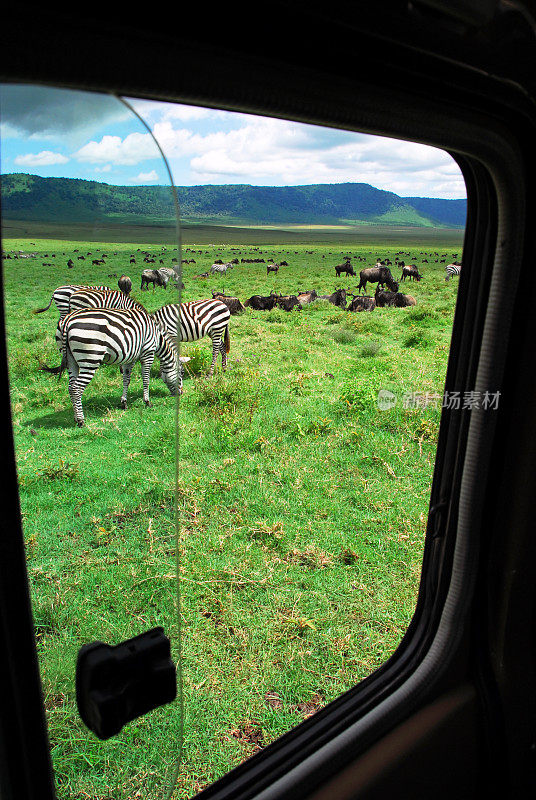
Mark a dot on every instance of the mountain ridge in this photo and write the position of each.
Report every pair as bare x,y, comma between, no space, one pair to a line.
32,197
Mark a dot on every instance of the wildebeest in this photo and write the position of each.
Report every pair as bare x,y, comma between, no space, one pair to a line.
347,268
362,302
233,303
378,274
260,303
410,271
304,298
125,284
338,298
288,302
151,276
272,268
393,299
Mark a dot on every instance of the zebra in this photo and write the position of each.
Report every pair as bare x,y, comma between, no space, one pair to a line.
221,268
98,298
167,273
90,338
62,295
198,318
452,269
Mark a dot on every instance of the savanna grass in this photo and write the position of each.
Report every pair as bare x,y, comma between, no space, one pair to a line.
299,507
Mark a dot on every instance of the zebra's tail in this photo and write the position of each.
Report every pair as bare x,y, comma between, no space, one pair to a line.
52,370
40,310
227,339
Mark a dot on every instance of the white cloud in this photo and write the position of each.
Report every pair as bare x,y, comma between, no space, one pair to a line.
131,150
212,146
43,159
145,177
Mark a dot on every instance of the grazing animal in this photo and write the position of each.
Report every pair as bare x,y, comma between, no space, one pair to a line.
304,298
109,298
198,318
272,268
347,268
393,299
62,295
167,273
452,270
90,338
411,272
220,268
362,302
233,303
125,284
378,274
338,298
260,303
151,276
288,302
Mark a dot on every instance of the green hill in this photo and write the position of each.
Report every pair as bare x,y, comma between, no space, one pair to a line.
30,197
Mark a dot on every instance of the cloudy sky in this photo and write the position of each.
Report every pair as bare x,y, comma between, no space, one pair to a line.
59,133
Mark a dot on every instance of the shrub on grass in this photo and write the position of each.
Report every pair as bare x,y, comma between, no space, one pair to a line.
417,338
343,335
370,349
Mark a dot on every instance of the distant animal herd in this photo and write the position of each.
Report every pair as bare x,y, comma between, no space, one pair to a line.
99,325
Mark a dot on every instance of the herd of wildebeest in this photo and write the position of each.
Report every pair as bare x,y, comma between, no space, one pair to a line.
380,274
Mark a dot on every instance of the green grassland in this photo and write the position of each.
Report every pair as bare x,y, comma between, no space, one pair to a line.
164,232
299,508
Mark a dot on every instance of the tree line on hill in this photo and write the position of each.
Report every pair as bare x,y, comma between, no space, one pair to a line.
74,200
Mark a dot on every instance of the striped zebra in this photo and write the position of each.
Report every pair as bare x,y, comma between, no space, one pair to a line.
198,318
62,295
90,338
221,268
451,270
98,298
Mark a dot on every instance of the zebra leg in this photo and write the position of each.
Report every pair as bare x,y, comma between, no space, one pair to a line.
223,356
127,372
216,347
77,384
146,364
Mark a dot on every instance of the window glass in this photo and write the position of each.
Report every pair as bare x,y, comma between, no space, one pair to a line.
304,468
98,501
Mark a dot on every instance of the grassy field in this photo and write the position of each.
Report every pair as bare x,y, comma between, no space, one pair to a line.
298,506
354,235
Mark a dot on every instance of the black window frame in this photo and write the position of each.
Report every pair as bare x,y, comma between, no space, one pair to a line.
488,124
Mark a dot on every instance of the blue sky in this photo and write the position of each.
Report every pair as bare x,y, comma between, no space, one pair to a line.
59,133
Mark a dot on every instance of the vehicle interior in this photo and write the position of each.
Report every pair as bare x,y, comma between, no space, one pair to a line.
453,711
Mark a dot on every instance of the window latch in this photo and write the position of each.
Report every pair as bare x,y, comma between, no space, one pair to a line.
118,683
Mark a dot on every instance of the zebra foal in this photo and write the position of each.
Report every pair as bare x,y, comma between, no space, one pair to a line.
191,321
90,338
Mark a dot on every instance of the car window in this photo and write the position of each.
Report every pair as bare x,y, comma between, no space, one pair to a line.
318,272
